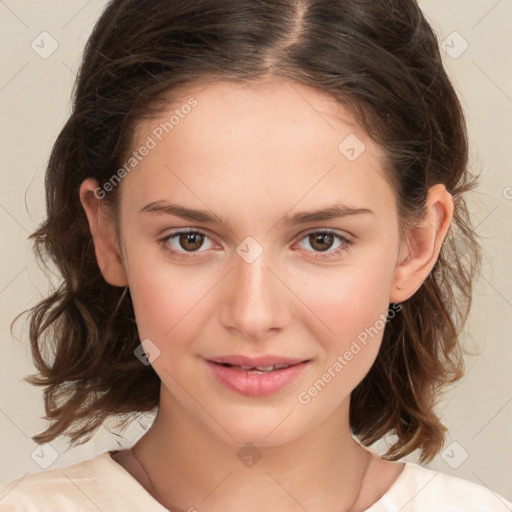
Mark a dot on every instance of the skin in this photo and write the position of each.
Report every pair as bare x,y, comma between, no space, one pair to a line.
253,154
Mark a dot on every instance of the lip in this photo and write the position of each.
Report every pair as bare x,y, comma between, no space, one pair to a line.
256,385
268,360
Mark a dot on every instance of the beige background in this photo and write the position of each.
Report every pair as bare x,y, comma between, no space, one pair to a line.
34,104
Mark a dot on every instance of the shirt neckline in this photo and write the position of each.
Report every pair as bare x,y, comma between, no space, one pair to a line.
389,495
392,493
126,475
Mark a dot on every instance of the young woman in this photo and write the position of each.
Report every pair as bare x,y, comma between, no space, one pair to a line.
254,207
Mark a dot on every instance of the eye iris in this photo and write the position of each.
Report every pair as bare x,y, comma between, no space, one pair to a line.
196,239
323,237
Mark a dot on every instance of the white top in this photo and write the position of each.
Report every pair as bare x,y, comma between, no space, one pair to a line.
101,484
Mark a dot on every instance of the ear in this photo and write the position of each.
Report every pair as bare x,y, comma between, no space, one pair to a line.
419,253
102,227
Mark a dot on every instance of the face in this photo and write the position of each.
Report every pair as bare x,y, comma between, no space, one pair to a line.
259,278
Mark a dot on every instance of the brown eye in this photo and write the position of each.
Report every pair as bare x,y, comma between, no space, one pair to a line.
184,243
321,241
191,241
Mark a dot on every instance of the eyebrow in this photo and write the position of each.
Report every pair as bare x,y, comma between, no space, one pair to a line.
334,211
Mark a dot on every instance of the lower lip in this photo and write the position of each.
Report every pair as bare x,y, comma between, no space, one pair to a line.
261,384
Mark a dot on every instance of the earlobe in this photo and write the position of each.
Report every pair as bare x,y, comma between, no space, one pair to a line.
419,253
102,228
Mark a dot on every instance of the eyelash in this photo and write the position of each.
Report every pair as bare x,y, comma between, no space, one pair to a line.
346,243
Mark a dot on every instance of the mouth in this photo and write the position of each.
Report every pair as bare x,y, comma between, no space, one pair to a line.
256,376
261,362
255,370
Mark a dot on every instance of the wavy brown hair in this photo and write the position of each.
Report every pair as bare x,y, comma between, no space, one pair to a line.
381,60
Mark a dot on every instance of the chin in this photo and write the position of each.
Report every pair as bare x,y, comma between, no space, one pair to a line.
262,429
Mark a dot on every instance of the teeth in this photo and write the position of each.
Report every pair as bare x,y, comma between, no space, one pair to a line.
263,369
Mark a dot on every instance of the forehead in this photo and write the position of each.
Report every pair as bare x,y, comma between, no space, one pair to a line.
221,105
269,139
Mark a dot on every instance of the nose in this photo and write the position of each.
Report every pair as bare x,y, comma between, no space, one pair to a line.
255,301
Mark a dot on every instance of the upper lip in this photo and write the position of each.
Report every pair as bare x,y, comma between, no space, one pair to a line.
268,360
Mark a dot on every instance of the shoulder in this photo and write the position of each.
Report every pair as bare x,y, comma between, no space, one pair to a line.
418,489
88,486
65,488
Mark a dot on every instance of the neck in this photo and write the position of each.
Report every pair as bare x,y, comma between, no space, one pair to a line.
188,467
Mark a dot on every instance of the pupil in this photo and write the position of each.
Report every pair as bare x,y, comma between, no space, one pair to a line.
322,237
193,238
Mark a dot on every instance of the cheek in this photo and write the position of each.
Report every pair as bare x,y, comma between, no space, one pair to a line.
350,345
167,302
350,310
347,303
